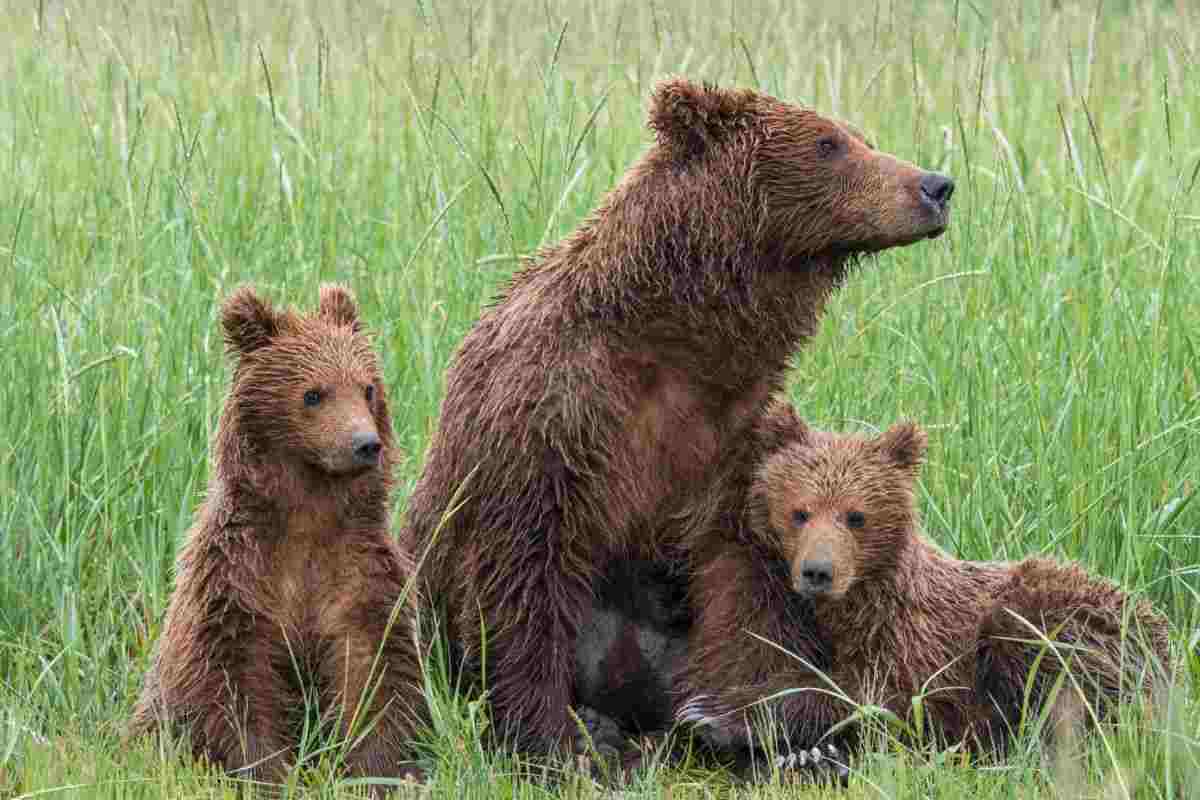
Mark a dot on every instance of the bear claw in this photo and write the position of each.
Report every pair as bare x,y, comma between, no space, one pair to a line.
821,765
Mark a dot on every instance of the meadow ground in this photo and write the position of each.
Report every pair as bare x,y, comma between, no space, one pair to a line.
155,155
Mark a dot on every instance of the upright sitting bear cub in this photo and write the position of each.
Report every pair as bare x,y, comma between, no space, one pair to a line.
830,564
290,564
603,392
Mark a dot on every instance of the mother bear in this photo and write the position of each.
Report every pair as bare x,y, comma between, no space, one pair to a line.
599,400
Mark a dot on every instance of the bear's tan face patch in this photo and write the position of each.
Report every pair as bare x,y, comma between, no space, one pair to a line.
831,190
839,507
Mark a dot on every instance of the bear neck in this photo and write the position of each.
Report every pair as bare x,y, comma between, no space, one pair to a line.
676,261
273,494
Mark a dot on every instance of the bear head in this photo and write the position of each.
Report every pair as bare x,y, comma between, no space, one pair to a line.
837,509
819,186
306,391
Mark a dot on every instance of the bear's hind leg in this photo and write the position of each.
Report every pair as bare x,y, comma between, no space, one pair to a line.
1111,646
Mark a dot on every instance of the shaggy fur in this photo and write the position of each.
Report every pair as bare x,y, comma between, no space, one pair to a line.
633,649
597,396
290,566
830,564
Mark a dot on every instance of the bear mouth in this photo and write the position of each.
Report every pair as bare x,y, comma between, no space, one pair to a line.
344,468
938,224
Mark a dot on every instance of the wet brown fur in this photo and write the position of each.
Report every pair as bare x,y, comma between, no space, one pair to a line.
290,565
901,618
594,400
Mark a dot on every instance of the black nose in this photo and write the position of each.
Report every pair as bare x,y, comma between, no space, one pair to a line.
816,577
937,188
366,447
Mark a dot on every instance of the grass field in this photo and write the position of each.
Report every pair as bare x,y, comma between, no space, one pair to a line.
155,155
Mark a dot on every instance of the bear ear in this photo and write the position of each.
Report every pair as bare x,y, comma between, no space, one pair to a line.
904,444
248,320
338,306
687,116
780,425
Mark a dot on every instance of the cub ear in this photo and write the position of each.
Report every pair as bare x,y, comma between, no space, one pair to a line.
248,320
338,306
904,444
780,425
687,117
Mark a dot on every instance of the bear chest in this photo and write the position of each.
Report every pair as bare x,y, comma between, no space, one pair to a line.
680,431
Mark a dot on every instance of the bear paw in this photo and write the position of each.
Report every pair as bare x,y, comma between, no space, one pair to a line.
603,734
822,765
714,723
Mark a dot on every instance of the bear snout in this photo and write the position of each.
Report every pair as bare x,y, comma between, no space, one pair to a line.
814,577
936,189
366,446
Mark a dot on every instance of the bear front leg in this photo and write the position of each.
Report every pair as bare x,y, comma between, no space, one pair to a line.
744,615
372,674
246,723
530,607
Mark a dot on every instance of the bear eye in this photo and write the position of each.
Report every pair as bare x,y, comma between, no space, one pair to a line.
827,146
370,392
855,519
312,397
799,516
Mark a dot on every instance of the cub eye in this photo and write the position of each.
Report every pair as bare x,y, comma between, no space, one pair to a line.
312,397
855,519
827,146
370,392
799,516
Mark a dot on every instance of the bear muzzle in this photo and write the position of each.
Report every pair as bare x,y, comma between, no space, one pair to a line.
366,446
934,191
814,577
359,449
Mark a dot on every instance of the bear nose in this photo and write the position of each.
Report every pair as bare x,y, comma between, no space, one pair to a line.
816,577
366,447
937,188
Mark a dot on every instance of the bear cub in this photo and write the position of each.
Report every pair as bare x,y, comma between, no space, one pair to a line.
289,579
831,565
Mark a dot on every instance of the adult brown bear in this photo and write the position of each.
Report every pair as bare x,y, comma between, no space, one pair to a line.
593,401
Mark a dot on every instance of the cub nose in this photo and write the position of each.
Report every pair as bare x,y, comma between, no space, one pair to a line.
367,447
816,577
937,188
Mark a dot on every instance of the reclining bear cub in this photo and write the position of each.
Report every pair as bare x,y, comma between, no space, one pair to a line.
830,564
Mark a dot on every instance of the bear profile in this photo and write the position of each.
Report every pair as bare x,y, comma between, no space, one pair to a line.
289,579
601,393
831,574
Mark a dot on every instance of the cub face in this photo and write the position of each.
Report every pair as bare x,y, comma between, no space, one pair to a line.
838,508
307,388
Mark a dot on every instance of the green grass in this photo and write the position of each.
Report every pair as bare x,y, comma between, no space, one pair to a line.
155,155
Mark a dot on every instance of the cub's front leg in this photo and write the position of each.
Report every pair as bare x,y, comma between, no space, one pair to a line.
372,672
754,661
